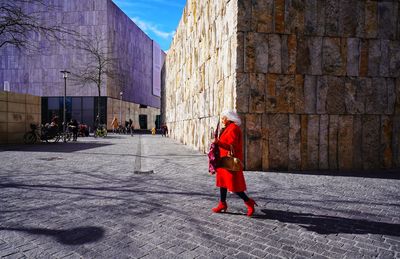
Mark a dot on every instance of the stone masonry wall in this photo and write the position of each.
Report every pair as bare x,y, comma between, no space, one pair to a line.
17,112
322,81
315,81
200,70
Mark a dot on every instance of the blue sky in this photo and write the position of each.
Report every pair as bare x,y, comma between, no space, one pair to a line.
157,18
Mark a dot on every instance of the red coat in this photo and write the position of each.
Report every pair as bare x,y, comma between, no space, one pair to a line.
233,181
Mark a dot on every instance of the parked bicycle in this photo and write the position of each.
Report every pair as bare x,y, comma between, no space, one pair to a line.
101,131
42,133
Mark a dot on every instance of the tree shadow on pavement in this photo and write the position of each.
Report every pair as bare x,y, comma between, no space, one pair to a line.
323,224
55,147
73,236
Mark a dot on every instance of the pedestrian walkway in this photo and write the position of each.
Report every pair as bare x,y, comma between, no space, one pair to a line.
150,197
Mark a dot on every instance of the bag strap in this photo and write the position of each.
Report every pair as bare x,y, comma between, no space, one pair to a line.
232,153
216,130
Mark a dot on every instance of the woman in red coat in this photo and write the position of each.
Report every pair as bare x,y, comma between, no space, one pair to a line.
231,136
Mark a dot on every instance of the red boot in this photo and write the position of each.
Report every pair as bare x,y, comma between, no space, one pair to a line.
222,207
250,207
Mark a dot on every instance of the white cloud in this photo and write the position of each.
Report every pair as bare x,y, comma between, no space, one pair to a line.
150,27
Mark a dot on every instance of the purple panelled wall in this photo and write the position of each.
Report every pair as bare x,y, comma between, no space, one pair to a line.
38,73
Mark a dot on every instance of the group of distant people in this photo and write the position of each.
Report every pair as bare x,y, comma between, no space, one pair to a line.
72,126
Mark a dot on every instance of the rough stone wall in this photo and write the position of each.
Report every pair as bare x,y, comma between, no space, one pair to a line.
17,112
322,79
315,81
200,70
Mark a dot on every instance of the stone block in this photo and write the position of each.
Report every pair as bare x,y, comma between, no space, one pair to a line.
315,47
357,142
321,94
304,144
294,16
16,98
242,92
16,127
3,106
370,142
345,142
303,58
396,141
271,100
335,101
310,94
323,142
31,99
278,141
353,56
240,52
244,15
384,64
348,18
3,138
253,138
375,96
299,105
16,107
334,56
263,16
3,127
394,58
257,93
265,141
250,52
355,95
333,141
312,142
374,57
15,138
3,96
332,18
391,96
387,18
16,117
285,90
364,58
294,142
262,52
289,50
371,19
279,16
314,20
33,108
3,116
274,54
386,142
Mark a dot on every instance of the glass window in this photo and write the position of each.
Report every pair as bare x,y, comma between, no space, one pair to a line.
76,103
53,103
87,103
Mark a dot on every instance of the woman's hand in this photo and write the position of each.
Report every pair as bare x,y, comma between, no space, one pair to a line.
215,141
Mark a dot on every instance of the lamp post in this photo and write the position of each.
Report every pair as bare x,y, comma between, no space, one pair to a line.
120,107
65,75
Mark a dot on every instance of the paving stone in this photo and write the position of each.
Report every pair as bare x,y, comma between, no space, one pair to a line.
92,197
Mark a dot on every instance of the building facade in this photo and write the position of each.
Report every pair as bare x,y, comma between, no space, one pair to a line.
134,64
316,83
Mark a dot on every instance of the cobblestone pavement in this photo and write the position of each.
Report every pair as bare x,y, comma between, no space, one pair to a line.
98,198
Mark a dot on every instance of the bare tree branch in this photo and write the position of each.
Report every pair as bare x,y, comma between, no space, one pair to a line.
23,20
